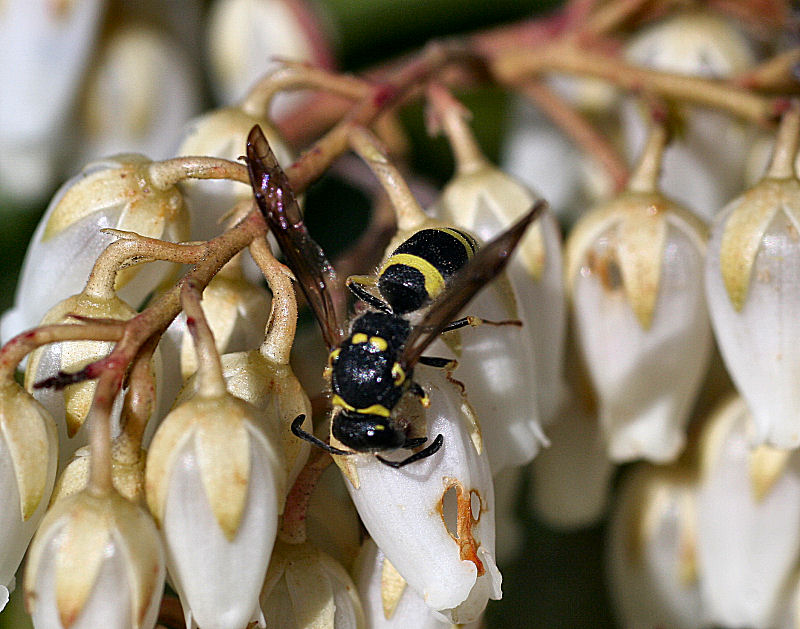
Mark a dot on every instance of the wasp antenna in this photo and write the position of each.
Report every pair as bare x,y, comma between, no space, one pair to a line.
299,432
422,454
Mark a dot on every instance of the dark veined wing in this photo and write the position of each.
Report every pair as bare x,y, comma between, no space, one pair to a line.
481,269
304,256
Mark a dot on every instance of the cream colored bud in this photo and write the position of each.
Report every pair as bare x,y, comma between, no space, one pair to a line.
223,133
140,92
117,193
486,201
28,460
696,172
215,480
70,406
633,268
96,561
305,587
126,475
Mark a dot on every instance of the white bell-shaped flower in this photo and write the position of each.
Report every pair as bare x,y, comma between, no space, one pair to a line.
698,43
140,92
570,480
486,201
754,293
215,480
46,49
634,271
96,561
388,602
305,587
245,35
748,522
70,405
118,193
434,519
223,133
651,557
28,460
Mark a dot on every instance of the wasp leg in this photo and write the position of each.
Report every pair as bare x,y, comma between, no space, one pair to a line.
474,322
439,363
415,442
356,285
299,432
417,390
433,448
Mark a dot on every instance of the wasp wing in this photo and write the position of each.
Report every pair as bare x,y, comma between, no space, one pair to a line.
487,264
304,256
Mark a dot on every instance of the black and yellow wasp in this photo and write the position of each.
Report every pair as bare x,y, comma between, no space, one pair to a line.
371,367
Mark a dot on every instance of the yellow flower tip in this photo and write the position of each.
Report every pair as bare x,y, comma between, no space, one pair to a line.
766,465
392,587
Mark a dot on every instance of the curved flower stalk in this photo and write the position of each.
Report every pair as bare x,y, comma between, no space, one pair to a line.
119,193
634,274
244,36
748,522
388,602
484,200
434,520
652,560
140,92
696,173
28,461
96,561
263,377
305,587
40,41
496,364
754,295
215,480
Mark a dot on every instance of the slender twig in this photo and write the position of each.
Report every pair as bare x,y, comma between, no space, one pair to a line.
293,523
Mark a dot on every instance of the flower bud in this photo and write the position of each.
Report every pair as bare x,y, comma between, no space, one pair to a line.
28,460
305,587
634,273
244,35
46,49
139,94
434,519
486,201
388,602
96,561
117,193
748,522
70,405
754,300
651,556
696,43
215,482
222,133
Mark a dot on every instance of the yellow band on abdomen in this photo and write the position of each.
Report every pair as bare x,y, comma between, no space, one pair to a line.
434,282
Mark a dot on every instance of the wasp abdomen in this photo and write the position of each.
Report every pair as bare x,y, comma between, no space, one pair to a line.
418,270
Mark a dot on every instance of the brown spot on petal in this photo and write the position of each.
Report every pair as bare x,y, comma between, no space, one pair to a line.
467,544
604,265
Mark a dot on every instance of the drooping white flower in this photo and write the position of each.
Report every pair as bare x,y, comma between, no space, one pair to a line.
46,48
70,406
486,201
117,193
748,522
651,557
245,35
215,481
696,173
754,293
140,92
434,519
96,561
634,274
305,587
388,602
28,461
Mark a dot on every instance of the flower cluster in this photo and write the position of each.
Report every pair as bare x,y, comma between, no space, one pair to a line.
165,459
